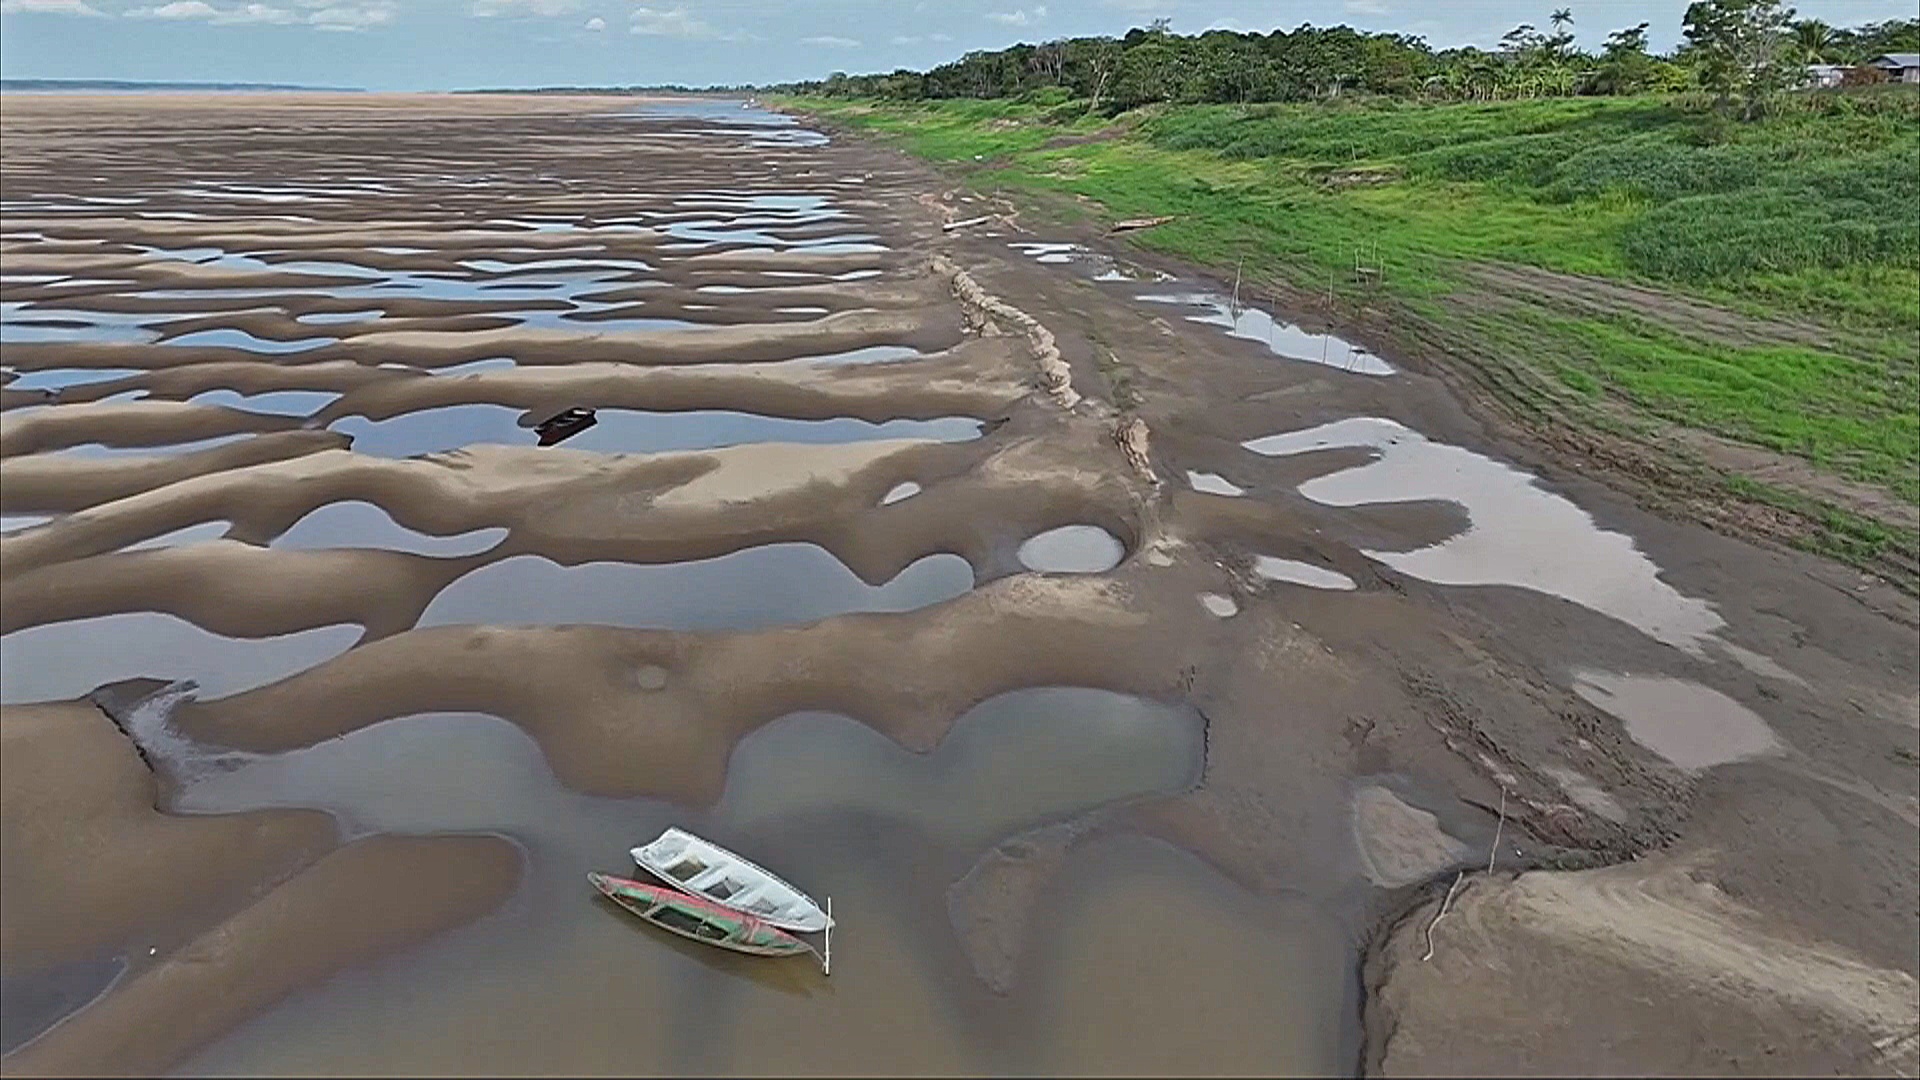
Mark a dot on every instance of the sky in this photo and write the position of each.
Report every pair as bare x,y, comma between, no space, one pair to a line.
462,44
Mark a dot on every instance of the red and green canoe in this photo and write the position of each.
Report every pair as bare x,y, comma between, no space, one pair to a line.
699,918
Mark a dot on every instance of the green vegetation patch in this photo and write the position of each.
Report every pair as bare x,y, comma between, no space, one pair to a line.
1806,215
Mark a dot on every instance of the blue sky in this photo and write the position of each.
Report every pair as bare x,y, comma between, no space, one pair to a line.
448,44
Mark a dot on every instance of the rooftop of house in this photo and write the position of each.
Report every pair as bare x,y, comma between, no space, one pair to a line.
1897,60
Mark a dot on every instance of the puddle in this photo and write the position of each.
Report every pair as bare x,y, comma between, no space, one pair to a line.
226,337
1281,338
92,450
15,522
1051,253
60,378
65,660
32,1003
1273,568
1520,533
1213,484
571,320
274,402
628,431
1219,606
548,984
900,492
872,354
324,317
474,367
601,267
20,325
76,282
710,232
1073,549
1104,267
1014,760
1690,725
364,525
756,587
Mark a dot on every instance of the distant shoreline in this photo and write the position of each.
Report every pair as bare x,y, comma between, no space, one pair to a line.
95,86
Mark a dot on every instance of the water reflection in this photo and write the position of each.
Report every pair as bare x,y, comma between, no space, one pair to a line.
1282,338
549,984
1521,534
64,660
627,431
1073,549
757,587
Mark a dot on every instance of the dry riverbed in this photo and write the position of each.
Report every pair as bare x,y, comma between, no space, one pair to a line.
1156,685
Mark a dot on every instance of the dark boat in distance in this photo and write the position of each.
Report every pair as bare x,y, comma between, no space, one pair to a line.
563,425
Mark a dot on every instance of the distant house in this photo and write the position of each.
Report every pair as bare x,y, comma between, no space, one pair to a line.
1823,76
1900,67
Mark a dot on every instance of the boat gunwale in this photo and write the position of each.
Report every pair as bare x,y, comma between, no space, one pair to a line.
812,906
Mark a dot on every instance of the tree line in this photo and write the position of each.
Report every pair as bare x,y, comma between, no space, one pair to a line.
1740,50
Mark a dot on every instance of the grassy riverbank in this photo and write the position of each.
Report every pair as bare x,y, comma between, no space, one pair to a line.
1562,252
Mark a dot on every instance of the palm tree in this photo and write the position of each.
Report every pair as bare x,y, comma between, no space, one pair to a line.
1814,41
1561,19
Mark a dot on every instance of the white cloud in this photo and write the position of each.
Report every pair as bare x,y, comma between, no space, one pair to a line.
596,24
180,10
1019,16
1365,7
904,39
831,42
675,22
350,16
50,7
259,13
489,8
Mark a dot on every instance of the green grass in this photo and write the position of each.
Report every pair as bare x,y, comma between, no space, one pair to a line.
1807,216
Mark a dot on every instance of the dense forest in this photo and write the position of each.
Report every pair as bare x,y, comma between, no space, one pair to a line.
1729,46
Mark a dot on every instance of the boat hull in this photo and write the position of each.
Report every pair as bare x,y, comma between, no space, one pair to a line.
699,919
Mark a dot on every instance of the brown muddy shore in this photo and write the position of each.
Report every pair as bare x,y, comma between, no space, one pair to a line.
1447,760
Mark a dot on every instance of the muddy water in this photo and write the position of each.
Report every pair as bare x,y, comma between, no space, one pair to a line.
1282,338
1274,568
68,659
555,983
626,431
1688,724
1521,533
1214,484
1072,549
362,524
763,586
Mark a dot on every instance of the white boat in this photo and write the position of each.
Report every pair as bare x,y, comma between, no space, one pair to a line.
706,869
